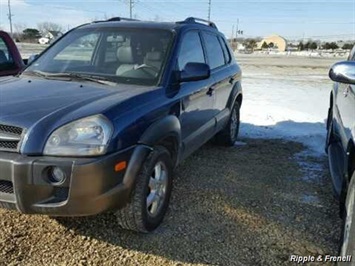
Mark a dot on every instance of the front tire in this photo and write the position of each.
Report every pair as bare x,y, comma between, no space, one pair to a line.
228,136
348,236
150,197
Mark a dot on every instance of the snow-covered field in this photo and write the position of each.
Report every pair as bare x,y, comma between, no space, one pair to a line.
286,98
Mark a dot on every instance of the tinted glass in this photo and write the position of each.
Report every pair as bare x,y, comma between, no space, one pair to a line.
134,56
214,50
6,61
226,52
191,50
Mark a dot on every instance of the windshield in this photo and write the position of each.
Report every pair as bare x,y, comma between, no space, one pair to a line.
133,56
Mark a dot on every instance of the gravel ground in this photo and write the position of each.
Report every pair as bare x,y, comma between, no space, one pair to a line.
252,204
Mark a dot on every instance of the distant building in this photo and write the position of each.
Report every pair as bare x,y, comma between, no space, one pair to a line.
275,42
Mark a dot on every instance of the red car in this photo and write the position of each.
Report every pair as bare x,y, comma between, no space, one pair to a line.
11,62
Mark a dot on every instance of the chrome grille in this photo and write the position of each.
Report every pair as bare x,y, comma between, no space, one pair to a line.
6,187
10,137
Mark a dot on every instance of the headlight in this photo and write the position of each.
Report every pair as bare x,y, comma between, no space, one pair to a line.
85,137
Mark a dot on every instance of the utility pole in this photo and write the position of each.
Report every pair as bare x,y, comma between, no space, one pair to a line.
10,17
131,3
238,31
209,10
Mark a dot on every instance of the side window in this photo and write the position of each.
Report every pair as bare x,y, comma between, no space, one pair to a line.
226,52
191,50
6,61
214,50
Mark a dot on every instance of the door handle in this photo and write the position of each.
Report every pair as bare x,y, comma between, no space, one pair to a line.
210,91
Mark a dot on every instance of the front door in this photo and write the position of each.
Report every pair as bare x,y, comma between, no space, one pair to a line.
197,117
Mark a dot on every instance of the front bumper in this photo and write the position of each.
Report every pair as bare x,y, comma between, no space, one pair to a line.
92,185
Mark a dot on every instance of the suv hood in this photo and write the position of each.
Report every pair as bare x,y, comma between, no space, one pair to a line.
26,101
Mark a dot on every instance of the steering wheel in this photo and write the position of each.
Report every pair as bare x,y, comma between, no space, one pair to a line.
145,66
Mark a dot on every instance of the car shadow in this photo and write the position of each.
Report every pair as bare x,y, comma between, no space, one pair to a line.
244,205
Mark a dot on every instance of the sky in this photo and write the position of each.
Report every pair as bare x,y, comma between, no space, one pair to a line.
292,19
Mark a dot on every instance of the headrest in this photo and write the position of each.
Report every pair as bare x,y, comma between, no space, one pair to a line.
153,56
124,55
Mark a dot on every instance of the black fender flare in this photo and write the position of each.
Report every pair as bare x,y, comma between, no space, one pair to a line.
236,92
169,126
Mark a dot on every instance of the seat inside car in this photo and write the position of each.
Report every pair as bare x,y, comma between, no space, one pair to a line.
153,59
126,60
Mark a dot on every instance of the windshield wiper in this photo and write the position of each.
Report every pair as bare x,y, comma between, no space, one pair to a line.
80,76
73,75
35,73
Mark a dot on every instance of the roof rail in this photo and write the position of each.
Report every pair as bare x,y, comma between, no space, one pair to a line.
198,20
121,19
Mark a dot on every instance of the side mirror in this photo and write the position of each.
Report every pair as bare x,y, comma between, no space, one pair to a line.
32,58
343,72
195,72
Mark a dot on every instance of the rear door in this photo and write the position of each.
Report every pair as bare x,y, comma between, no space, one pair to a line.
219,59
197,117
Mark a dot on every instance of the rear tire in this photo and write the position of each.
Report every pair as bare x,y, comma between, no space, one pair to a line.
228,136
330,131
150,198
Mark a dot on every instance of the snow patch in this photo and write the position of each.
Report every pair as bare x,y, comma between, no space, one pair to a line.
278,108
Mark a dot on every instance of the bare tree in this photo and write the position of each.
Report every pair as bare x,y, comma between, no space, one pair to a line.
20,27
18,33
44,27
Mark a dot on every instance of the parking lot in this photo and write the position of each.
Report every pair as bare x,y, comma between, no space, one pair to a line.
257,203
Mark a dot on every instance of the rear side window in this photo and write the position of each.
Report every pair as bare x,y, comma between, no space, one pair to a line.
191,50
226,52
214,50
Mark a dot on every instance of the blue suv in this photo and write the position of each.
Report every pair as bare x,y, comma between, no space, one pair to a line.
99,120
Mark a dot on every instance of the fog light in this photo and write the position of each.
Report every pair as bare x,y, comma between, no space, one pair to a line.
56,175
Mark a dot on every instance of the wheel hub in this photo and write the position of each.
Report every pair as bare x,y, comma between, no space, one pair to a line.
157,189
